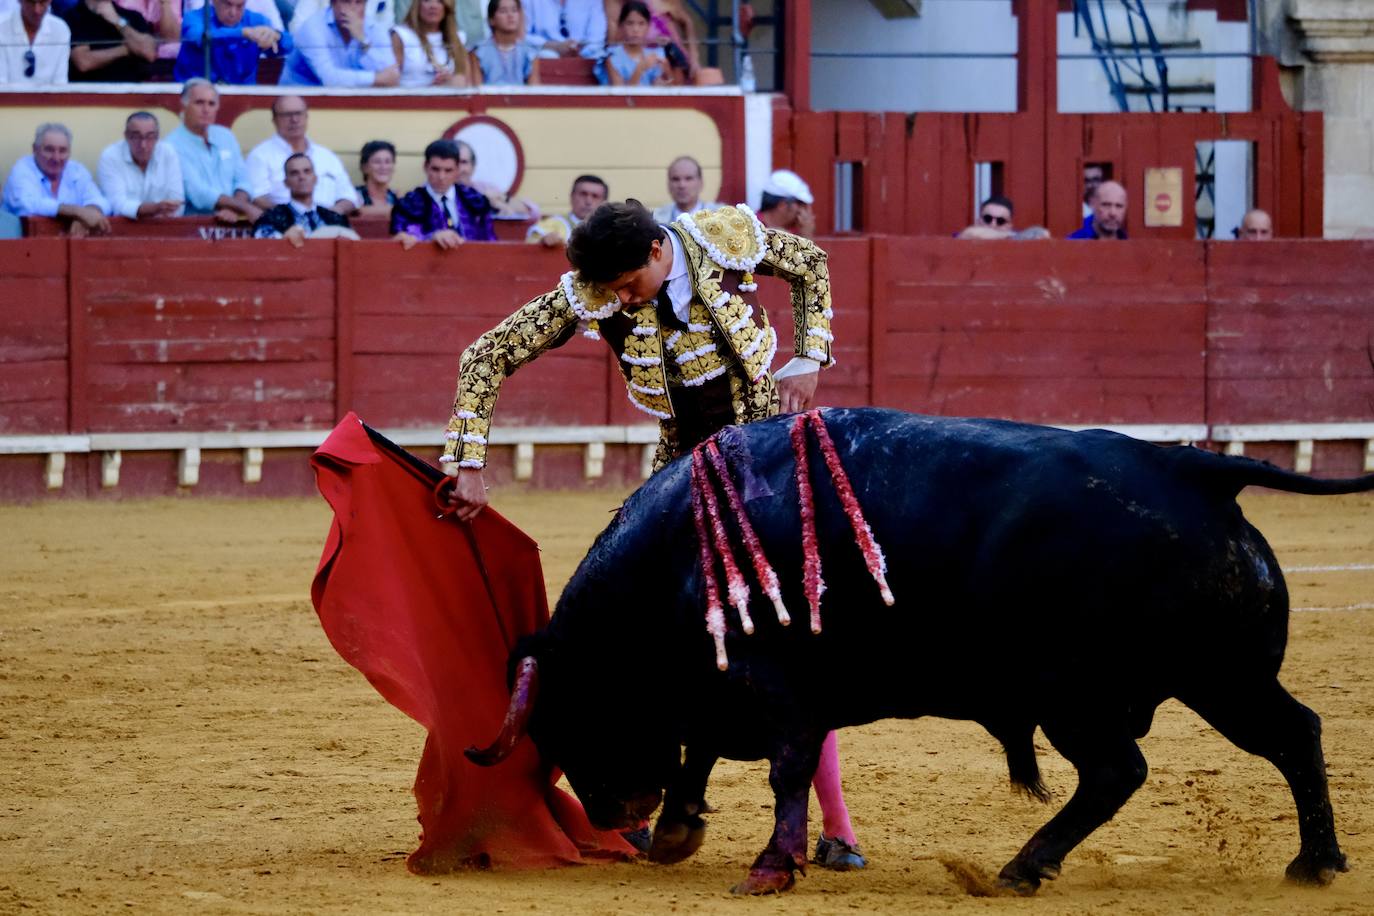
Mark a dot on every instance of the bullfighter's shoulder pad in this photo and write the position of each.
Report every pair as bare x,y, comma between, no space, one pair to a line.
731,236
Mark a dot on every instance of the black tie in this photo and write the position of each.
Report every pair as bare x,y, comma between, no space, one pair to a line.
448,216
312,221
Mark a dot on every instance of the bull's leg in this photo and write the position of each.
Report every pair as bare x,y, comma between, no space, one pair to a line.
790,776
1110,769
1269,722
680,830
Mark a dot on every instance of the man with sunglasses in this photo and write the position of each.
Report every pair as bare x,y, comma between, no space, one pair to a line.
34,46
994,220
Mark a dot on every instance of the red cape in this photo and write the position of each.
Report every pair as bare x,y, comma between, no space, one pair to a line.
428,609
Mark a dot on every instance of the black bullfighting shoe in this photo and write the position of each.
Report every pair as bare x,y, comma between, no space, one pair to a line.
834,853
639,839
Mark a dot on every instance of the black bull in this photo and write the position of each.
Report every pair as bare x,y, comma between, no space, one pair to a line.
1067,580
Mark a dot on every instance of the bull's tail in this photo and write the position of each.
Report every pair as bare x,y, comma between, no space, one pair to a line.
1019,743
1236,473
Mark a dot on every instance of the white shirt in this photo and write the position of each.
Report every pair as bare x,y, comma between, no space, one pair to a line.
451,195
126,185
267,173
51,48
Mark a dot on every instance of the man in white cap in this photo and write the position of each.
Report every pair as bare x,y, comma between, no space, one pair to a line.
786,204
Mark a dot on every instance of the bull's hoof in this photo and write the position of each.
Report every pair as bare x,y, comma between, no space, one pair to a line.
1316,870
765,881
1024,878
676,841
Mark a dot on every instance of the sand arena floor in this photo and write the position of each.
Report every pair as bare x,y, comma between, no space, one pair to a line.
176,736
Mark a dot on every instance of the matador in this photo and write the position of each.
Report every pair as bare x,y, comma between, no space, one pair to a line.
677,304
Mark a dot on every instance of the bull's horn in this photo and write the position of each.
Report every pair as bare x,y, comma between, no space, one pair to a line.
517,721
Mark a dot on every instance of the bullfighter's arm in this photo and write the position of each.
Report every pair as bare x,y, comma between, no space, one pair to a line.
803,265
541,324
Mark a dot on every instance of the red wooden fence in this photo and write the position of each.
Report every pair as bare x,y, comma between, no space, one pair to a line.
128,335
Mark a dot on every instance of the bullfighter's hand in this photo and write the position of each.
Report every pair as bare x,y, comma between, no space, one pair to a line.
469,494
797,391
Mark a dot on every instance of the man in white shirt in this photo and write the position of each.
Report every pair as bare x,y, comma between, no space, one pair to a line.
685,182
140,176
267,162
34,46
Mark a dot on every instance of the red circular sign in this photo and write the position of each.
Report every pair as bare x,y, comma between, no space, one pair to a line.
1163,201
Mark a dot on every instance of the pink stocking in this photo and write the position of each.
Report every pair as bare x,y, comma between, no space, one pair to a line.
834,813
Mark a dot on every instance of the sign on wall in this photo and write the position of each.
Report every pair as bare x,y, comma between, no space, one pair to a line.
1164,197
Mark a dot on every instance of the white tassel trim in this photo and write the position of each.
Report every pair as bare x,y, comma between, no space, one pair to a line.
698,328
693,354
673,339
705,377
720,257
821,333
644,332
471,463
464,415
580,308
754,347
649,410
590,333
645,389
819,356
474,438
827,314
748,287
749,313
768,357
641,360
720,300
453,436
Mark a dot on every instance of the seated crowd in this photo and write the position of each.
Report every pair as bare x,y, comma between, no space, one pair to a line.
289,186
345,43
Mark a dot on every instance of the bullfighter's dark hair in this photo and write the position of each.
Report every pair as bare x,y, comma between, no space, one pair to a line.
614,240
442,149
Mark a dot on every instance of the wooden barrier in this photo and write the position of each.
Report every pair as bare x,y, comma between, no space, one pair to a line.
134,367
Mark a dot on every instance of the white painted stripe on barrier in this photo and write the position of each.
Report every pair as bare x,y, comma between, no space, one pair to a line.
1344,607
1349,567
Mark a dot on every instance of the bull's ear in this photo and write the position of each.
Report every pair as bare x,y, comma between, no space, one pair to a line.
516,723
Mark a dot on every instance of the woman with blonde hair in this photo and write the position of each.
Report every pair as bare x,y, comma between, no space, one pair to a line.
428,48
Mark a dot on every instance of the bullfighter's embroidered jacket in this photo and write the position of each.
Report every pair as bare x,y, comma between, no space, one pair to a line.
727,344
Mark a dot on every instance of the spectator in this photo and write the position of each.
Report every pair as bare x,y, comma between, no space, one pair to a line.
502,205
670,28
267,9
433,212
994,220
336,47
685,182
267,161
472,19
786,204
212,167
378,164
140,176
300,217
427,47
36,45
588,192
1093,175
567,28
631,63
238,38
1256,226
165,18
506,57
109,44
48,183
1108,220
377,14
